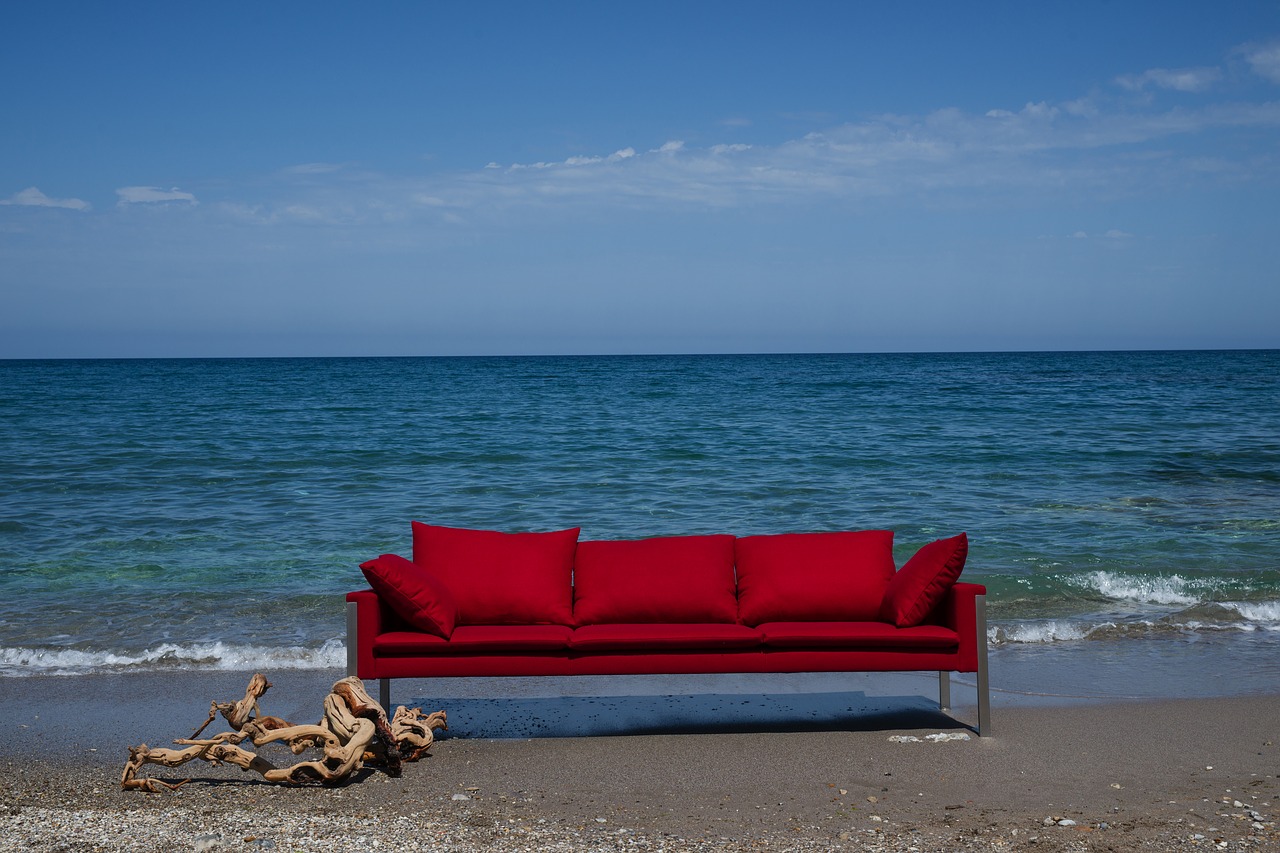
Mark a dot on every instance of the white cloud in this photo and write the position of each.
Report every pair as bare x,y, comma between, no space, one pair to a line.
585,160
32,197
1042,145
1178,79
1083,107
254,213
948,156
306,213
1264,59
151,195
1088,145
1040,109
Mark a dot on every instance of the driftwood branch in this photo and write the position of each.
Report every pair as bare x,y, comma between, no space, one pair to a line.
355,730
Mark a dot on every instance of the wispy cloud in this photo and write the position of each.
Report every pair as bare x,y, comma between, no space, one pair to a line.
1039,145
575,160
1178,79
152,195
1111,143
947,157
32,197
1264,59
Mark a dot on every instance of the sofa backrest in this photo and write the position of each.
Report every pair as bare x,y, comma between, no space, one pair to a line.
668,579
813,577
494,578
501,578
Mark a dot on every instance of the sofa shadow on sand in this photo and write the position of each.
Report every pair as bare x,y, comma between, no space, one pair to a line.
714,713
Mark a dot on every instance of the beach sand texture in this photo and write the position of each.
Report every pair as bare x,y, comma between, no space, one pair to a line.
1195,774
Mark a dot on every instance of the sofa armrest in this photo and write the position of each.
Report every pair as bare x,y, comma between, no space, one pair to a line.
365,608
959,612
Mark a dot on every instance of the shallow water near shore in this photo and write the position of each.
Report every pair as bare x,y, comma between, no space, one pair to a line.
209,515
46,712
1021,677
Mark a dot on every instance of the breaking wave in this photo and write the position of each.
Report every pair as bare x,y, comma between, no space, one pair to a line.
1211,617
169,656
1069,607
1048,631
1266,611
1147,589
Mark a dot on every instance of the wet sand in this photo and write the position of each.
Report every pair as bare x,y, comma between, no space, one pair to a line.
733,769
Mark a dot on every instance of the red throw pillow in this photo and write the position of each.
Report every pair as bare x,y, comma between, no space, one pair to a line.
918,587
502,578
413,592
813,577
668,579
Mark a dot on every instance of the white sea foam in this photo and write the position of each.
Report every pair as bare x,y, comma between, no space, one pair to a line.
1234,616
1165,589
1048,631
170,656
1263,613
1210,617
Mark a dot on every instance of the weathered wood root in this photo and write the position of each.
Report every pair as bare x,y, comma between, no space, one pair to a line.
354,730
415,731
237,713
355,703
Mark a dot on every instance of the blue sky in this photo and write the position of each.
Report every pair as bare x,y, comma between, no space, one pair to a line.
488,178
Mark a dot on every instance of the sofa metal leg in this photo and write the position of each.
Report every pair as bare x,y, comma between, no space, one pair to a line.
944,690
352,632
984,686
384,694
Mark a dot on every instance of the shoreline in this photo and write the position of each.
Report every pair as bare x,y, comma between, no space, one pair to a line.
1150,774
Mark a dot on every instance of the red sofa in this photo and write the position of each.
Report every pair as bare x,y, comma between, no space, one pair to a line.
483,603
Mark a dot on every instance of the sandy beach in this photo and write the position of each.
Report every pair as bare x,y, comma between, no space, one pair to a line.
1156,775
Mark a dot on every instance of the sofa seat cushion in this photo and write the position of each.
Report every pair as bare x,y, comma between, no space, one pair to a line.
668,637
793,577
476,639
667,579
501,578
853,635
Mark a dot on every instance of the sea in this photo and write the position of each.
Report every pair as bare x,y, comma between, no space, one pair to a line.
1123,508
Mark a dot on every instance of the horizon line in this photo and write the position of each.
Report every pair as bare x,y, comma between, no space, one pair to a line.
739,354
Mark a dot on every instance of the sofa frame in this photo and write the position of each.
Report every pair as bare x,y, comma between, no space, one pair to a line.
964,609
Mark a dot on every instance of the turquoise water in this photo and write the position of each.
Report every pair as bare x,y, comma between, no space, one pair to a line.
211,513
